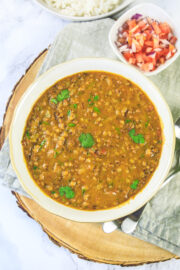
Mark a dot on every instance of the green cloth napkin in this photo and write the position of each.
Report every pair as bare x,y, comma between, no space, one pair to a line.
160,222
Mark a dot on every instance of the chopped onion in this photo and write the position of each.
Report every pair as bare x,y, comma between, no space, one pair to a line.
168,55
164,41
124,48
136,16
170,35
151,54
133,47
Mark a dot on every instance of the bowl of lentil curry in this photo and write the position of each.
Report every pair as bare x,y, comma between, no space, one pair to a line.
92,140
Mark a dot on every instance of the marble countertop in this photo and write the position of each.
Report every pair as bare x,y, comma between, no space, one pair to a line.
26,30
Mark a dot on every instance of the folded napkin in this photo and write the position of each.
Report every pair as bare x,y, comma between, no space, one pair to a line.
160,222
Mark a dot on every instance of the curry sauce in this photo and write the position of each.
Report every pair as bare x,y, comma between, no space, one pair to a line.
92,140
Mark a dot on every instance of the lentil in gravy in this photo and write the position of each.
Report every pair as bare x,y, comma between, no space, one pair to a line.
92,140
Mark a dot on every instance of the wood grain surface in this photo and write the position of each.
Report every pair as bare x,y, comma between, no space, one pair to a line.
87,240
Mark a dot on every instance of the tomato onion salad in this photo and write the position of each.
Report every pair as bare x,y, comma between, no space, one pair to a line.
145,42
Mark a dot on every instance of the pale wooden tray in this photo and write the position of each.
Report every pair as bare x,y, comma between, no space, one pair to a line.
87,240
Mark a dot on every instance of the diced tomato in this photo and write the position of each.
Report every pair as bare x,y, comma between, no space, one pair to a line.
149,49
140,38
127,55
149,43
156,42
163,35
139,58
146,58
141,24
162,60
135,29
165,28
148,34
156,28
173,40
147,67
132,60
171,47
129,39
131,24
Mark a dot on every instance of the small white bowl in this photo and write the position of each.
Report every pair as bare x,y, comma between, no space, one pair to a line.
57,12
155,12
37,88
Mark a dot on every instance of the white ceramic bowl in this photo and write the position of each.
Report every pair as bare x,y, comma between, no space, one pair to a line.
57,12
155,12
36,89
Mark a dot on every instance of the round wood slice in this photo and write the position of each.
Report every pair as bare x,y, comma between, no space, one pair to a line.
87,240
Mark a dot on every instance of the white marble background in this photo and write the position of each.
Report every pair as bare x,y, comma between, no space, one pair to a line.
25,30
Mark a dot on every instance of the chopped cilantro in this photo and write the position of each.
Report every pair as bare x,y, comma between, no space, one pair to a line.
56,153
134,184
90,102
139,138
96,109
53,192
86,140
128,121
83,191
71,125
54,100
35,167
42,143
67,191
45,123
118,130
64,94
27,134
75,106
96,98
69,112
147,123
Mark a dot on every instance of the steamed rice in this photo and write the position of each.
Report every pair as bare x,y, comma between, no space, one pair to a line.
82,8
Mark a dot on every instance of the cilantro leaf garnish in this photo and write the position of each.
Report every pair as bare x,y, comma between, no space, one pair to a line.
35,167
42,143
83,191
118,130
69,112
96,109
64,94
147,123
96,98
71,125
127,121
75,106
54,100
134,184
27,134
139,138
67,191
56,153
86,140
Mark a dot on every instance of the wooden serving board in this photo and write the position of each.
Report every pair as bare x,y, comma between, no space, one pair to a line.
87,240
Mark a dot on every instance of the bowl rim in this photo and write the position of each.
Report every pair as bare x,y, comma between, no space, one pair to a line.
13,157
123,18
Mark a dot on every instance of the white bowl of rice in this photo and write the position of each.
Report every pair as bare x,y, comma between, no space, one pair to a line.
84,10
